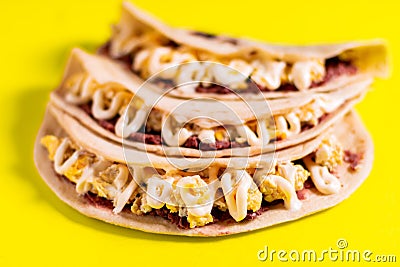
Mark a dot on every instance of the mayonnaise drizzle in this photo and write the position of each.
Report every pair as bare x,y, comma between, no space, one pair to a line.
235,185
123,198
84,88
159,191
85,181
117,101
126,125
166,61
268,74
324,181
262,137
207,136
197,195
80,90
288,124
303,73
173,135
60,165
284,184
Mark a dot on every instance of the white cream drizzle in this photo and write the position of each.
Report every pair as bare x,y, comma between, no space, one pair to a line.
229,76
127,125
85,181
287,125
172,134
80,90
303,73
117,102
260,139
289,172
60,165
124,196
198,196
324,181
284,184
207,136
267,73
159,191
235,185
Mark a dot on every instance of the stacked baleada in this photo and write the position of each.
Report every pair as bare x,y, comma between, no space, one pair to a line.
145,191
148,46
180,132
111,101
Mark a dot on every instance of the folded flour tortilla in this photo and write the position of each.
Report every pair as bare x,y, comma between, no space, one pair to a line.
349,131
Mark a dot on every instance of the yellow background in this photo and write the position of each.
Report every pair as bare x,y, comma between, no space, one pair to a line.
37,229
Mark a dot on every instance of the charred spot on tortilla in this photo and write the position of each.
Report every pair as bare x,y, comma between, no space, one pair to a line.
173,44
253,52
204,34
232,41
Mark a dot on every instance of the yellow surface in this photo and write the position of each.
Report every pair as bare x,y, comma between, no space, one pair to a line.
37,229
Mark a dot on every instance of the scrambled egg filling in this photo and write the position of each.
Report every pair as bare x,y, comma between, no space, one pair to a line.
329,153
310,113
75,171
105,183
109,174
51,143
220,204
199,221
139,204
172,208
101,185
254,199
271,191
270,74
282,135
102,189
300,176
